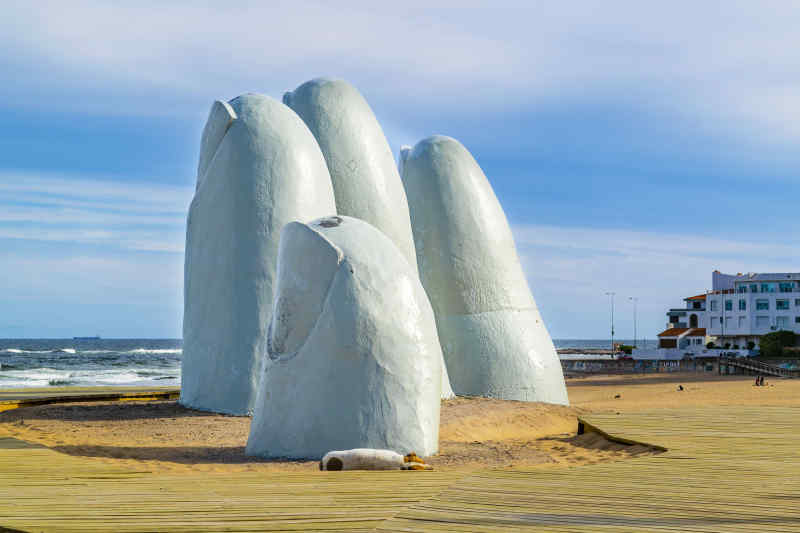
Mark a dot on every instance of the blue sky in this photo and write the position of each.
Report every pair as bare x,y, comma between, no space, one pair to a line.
635,148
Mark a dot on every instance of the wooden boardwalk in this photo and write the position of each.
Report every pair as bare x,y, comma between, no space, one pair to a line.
755,367
726,469
14,398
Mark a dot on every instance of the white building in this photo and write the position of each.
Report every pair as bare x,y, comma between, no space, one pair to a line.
743,307
740,308
693,315
683,338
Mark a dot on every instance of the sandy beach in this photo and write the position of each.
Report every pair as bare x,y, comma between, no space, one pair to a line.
474,432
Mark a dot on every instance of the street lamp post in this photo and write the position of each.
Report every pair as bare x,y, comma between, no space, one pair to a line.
612,319
634,299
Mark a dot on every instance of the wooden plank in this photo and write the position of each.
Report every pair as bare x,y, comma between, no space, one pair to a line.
725,469
14,399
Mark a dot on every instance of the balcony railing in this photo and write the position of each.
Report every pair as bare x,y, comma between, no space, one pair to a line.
671,325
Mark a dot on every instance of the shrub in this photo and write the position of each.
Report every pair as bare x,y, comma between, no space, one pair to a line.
772,344
735,346
751,345
710,345
727,346
626,348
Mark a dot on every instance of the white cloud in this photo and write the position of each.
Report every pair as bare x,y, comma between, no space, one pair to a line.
571,269
91,278
112,214
90,255
627,243
126,239
720,64
77,191
70,215
725,68
48,294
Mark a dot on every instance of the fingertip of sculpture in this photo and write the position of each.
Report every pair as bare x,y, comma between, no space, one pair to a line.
359,337
363,171
249,187
492,337
220,117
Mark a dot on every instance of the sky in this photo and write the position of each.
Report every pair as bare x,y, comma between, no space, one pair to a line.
635,146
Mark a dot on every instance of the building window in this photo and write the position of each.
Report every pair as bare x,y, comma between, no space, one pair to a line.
767,287
697,305
762,305
742,322
729,305
753,288
728,322
797,320
797,302
786,287
742,304
762,321
782,322
782,305
713,321
713,305
741,288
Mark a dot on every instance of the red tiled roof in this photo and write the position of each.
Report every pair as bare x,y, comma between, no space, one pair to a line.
673,332
698,297
677,332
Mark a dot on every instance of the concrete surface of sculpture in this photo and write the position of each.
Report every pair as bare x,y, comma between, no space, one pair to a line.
259,168
353,356
364,175
365,179
493,338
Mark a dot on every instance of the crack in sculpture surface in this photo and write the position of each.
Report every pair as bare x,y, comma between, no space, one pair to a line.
259,168
354,359
493,338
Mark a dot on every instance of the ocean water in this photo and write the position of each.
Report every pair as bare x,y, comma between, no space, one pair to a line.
127,362
601,344
102,362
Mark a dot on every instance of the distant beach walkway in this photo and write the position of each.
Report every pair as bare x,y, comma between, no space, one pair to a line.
14,398
726,469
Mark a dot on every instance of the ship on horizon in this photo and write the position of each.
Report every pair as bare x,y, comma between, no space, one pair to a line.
95,338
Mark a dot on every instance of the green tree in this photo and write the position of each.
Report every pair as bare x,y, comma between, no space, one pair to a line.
772,344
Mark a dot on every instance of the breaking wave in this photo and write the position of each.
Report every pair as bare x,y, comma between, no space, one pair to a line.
105,362
157,351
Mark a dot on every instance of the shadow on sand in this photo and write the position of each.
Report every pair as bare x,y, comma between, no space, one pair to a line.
93,412
173,454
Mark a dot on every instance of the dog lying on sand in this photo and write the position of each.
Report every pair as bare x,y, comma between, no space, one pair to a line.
371,459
